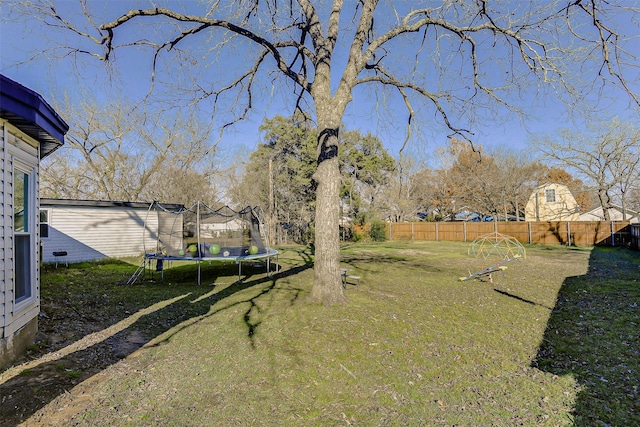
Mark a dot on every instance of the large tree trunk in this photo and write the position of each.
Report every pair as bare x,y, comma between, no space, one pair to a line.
605,202
327,282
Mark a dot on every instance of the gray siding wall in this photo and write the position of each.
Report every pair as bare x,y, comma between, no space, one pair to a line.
92,233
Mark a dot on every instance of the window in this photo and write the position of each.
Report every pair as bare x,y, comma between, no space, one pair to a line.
550,195
23,230
44,223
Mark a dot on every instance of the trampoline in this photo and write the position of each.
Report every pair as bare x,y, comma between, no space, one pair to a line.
201,234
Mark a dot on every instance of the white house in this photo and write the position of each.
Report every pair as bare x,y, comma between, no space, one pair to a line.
29,130
551,202
219,227
615,214
89,230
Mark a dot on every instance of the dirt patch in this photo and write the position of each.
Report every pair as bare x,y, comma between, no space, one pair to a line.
70,349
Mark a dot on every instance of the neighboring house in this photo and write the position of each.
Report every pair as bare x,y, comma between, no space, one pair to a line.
213,228
469,216
90,230
552,202
615,214
29,130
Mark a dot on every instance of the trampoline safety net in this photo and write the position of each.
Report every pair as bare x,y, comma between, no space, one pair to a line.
201,232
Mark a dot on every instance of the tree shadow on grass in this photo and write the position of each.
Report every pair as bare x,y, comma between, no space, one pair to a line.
593,335
251,316
518,298
29,387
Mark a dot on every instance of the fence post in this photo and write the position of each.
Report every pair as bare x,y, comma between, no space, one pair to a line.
412,237
437,231
530,237
464,230
569,232
613,236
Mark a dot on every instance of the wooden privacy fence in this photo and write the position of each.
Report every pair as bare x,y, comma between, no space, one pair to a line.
577,233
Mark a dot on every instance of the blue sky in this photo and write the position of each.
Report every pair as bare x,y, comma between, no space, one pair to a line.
54,78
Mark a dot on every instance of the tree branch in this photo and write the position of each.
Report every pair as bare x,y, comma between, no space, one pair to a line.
205,22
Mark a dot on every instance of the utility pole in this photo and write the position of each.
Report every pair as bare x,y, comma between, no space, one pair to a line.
271,208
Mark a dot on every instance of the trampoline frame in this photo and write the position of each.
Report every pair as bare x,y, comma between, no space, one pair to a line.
238,259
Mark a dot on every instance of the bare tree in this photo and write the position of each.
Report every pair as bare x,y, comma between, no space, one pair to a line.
450,60
401,195
627,167
634,198
606,157
517,177
117,151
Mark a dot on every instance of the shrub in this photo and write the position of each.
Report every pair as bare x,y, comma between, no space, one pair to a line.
359,232
378,232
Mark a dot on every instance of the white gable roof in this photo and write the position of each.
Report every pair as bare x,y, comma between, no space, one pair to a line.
615,214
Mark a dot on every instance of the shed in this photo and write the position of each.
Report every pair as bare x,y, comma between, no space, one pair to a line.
90,230
29,131
552,202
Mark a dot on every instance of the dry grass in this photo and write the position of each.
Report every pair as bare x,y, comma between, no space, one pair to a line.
414,346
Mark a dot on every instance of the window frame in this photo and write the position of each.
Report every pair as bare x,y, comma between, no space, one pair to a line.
44,224
24,258
550,195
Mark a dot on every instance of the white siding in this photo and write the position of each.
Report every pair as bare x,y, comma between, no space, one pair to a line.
89,233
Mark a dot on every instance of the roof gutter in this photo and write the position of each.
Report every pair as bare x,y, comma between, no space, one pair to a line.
29,112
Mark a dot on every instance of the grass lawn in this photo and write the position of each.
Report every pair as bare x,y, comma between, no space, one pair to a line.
552,342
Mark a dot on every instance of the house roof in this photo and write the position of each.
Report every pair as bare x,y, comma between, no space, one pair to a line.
30,113
44,202
550,184
615,212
